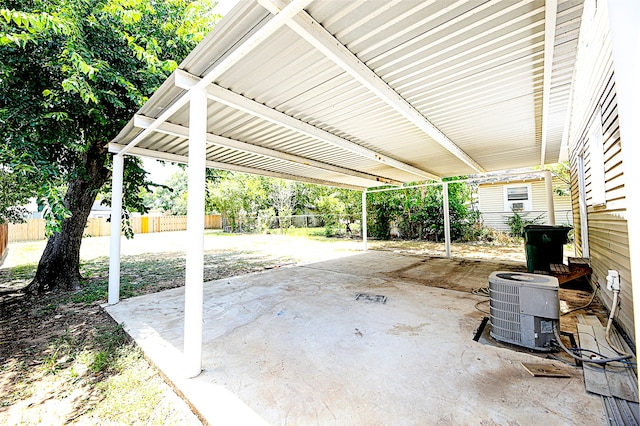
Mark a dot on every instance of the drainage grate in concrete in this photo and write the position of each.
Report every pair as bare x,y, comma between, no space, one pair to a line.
373,298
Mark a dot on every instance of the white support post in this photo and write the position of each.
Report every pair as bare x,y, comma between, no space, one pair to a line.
363,225
116,226
194,275
624,16
447,223
551,209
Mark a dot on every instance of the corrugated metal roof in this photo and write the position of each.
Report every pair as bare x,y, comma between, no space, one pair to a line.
374,91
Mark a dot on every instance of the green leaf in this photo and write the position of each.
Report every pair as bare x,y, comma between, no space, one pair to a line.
6,14
57,116
169,65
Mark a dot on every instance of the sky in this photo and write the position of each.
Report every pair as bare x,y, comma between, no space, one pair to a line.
158,172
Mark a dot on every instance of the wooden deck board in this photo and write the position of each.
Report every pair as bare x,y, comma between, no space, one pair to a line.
595,378
621,381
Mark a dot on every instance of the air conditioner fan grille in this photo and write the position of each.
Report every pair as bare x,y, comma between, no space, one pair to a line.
505,311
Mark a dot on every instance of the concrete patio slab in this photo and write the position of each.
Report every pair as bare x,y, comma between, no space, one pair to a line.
294,346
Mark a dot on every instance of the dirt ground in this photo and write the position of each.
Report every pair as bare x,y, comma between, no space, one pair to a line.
50,348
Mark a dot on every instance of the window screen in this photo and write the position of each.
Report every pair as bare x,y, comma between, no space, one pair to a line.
516,193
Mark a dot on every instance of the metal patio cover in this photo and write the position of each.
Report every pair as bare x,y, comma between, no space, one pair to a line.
359,94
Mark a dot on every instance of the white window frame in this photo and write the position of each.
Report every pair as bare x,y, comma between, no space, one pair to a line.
527,204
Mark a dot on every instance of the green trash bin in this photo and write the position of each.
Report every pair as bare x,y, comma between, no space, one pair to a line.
543,245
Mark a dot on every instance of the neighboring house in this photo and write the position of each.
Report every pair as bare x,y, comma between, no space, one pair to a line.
100,210
33,210
97,210
600,191
526,194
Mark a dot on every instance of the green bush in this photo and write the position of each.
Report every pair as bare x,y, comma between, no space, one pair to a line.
382,209
418,213
518,221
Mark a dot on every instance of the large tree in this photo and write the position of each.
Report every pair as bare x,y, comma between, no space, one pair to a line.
72,73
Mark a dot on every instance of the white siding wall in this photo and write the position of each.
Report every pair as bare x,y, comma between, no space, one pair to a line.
595,99
494,215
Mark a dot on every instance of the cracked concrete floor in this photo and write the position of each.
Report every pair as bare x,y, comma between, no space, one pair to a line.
293,346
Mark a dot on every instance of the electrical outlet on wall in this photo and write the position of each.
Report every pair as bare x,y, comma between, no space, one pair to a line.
613,280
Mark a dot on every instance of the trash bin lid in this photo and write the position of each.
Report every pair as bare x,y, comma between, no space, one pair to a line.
545,234
536,227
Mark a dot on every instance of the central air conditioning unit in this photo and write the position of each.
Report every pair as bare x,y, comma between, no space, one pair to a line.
524,309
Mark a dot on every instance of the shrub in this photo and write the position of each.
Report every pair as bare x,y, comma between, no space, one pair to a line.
517,222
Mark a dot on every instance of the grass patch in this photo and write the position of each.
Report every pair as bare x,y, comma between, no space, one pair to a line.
91,291
128,396
26,252
18,276
134,395
98,352
296,232
136,273
60,352
158,271
109,340
24,272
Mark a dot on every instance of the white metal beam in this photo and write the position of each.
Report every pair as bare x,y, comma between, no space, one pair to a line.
234,100
143,122
281,17
315,34
551,10
168,112
175,158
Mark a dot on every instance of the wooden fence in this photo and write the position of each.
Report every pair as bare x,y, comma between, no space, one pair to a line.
4,241
33,229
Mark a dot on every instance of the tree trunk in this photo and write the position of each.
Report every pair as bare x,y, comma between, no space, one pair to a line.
59,266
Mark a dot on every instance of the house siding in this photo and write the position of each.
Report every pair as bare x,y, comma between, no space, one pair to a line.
595,94
494,215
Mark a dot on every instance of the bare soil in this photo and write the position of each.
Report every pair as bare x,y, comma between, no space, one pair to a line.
50,347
